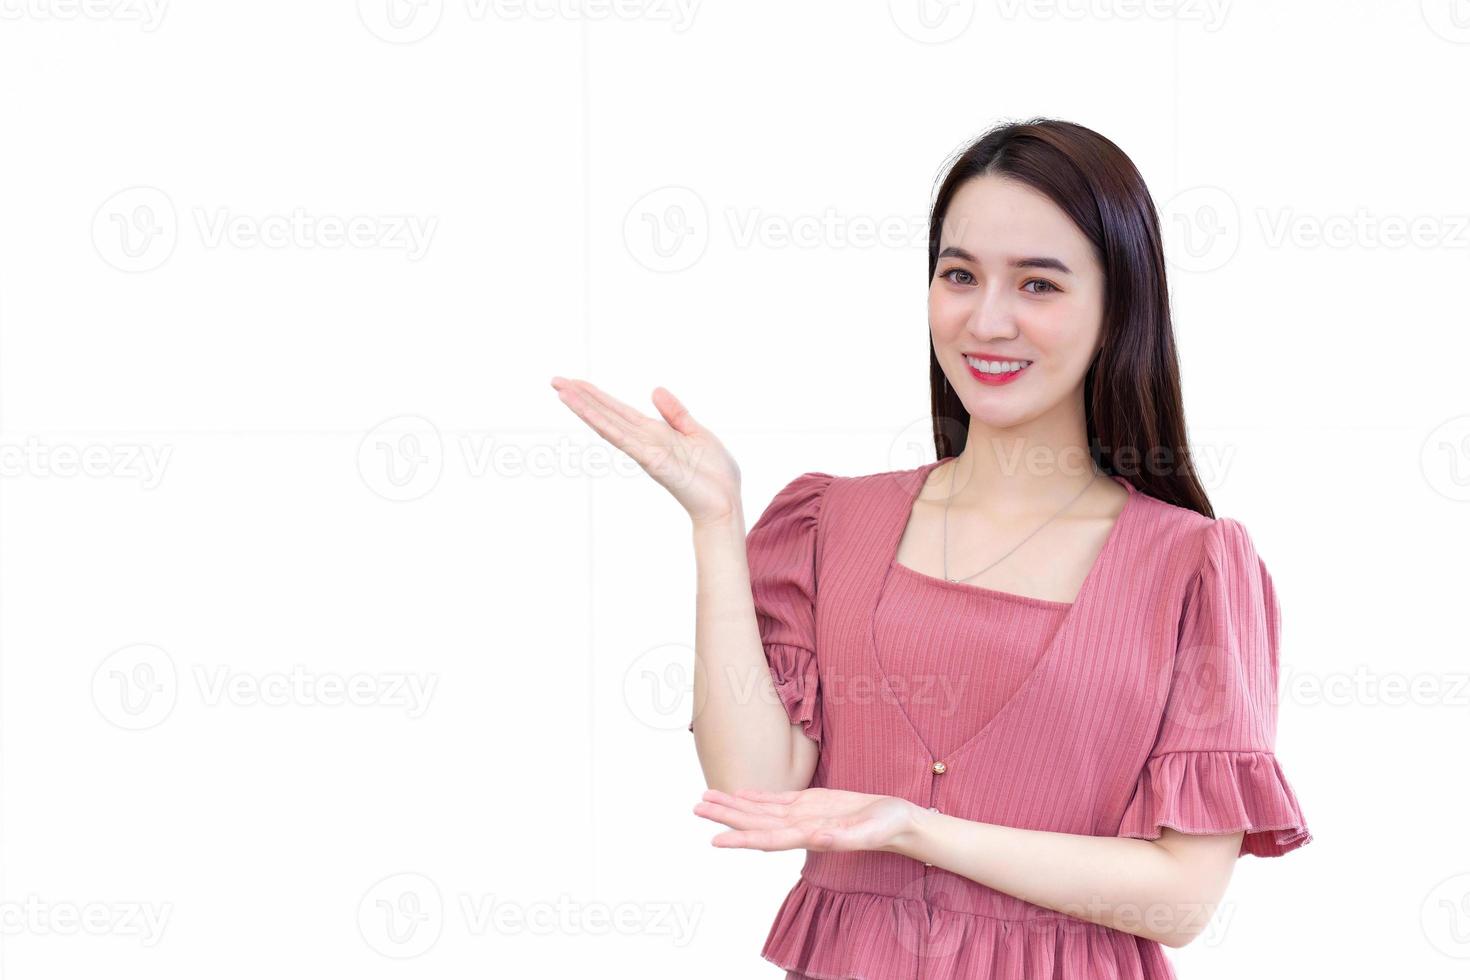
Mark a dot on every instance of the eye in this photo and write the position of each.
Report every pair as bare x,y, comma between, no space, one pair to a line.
1051,287
949,272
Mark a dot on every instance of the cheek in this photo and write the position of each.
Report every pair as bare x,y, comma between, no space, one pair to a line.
946,313
1064,333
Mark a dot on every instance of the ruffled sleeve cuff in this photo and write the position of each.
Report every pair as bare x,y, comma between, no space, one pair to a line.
781,547
1205,792
794,672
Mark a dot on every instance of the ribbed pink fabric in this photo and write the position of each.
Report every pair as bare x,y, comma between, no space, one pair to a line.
954,653
1151,704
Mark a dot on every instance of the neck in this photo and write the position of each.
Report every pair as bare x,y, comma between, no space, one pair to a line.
1021,469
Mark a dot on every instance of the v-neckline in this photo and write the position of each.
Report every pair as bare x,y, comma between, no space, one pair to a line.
1069,616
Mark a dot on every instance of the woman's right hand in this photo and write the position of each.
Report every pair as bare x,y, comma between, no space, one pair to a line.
679,453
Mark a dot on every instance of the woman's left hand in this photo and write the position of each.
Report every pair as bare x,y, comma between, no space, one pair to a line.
814,819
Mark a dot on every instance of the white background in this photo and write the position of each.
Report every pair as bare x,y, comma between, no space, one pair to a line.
246,460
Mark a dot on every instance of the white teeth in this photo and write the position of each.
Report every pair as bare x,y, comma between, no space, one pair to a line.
995,367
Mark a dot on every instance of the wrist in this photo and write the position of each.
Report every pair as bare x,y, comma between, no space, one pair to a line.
729,523
912,830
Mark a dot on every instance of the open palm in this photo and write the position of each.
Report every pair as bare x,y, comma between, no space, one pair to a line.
814,819
680,454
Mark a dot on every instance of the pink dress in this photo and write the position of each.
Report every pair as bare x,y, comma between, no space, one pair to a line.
1148,702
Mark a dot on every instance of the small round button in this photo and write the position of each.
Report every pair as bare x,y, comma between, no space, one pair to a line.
938,768
934,809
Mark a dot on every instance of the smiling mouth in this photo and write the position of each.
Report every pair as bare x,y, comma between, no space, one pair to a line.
994,372
998,368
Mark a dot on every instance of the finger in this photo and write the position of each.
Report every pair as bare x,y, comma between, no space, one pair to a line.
762,840
738,819
674,412
624,426
614,431
628,438
741,803
611,406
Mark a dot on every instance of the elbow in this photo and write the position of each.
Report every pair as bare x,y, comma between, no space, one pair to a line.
769,784
1182,920
1199,874
733,783
1187,929
1176,940
732,780
778,767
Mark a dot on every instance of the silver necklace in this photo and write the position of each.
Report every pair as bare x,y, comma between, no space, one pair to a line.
1095,474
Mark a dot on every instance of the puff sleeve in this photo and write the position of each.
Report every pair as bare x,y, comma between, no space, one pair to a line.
781,551
1213,767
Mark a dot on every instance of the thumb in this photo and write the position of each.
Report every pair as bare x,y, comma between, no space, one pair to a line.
674,411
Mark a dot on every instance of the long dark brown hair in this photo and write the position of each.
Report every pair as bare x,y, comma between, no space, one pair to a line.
1135,416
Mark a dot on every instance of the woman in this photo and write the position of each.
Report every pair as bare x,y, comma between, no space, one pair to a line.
1018,704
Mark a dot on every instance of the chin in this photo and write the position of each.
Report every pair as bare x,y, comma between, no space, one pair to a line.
1000,417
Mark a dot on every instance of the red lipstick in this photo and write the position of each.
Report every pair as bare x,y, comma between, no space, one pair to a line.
987,378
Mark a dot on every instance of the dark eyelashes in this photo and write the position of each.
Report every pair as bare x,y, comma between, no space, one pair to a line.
1051,287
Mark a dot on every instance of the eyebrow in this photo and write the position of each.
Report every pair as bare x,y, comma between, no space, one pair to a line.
1029,262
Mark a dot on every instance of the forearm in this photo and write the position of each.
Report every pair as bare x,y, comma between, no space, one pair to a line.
1135,886
741,730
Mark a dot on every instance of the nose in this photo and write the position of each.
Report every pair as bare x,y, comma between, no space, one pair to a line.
992,317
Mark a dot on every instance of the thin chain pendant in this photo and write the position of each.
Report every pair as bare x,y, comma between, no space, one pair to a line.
945,533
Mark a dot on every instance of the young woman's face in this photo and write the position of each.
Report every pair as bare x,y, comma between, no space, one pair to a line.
1016,281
